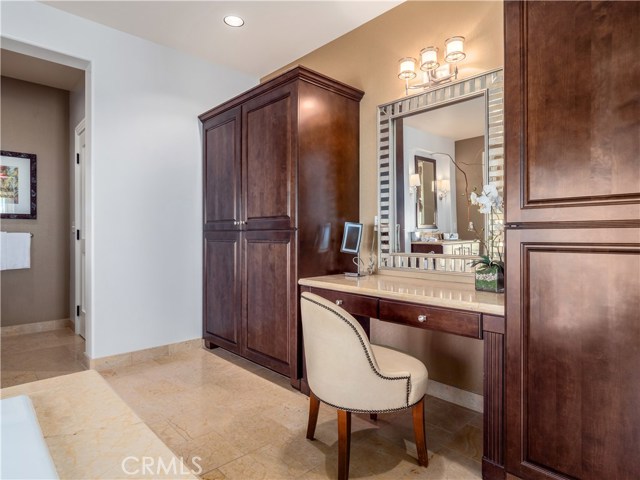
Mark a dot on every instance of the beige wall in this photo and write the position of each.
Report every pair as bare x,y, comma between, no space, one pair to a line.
469,157
367,58
35,119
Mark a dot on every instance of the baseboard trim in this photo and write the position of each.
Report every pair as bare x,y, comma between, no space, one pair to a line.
139,356
469,400
36,327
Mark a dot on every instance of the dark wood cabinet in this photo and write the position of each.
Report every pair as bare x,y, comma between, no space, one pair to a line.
269,126
222,170
280,179
572,143
270,292
222,275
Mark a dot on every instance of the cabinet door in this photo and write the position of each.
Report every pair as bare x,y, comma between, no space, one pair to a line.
573,353
269,153
572,93
222,289
222,171
270,307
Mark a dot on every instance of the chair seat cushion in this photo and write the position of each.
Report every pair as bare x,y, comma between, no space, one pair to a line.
392,361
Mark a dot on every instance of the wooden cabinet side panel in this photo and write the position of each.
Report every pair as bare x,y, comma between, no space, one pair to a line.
572,92
573,382
222,162
269,317
328,182
222,291
269,154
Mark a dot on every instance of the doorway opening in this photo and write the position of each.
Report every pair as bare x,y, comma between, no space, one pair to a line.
46,318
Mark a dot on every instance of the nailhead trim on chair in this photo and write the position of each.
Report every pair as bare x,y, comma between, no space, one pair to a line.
386,410
373,368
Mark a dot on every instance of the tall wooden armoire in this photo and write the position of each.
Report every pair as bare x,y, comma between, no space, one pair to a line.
281,176
572,110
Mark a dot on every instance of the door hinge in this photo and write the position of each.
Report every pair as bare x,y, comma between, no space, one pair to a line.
77,310
78,234
78,158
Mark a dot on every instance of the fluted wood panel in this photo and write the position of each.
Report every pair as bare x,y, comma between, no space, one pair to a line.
494,397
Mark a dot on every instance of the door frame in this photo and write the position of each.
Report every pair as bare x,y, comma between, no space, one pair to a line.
79,208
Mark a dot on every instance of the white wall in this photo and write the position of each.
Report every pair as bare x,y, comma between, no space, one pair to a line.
418,142
145,174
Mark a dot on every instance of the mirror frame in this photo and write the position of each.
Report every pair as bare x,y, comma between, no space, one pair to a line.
488,84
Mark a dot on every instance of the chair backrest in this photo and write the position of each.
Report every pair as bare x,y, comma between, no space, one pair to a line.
341,368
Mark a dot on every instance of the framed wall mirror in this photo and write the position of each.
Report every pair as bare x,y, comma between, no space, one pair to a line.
434,149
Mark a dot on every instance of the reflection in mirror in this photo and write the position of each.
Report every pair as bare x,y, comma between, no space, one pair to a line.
426,201
445,147
435,149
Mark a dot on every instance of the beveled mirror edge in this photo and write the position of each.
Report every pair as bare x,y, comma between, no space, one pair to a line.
489,84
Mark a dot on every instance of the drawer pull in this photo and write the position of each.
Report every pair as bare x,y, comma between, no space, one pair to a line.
339,302
422,318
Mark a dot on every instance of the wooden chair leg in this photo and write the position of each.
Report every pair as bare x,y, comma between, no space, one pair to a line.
344,443
373,416
418,428
314,408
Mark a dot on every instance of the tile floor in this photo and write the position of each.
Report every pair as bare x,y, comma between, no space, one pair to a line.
245,422
36,356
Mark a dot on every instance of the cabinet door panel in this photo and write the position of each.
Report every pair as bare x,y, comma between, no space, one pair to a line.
222,143
270,302
572,111
222,291
269,159
573,353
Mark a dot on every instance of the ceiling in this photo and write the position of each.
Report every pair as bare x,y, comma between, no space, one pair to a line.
275,33
457,121
36,70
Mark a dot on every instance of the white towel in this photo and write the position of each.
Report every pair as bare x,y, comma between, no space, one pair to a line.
15,250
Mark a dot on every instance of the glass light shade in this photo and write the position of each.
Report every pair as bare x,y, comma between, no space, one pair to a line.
414,180
454,49
443,186
429,58
442,72
407,68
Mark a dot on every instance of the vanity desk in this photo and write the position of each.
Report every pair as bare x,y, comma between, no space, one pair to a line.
450,247
450,307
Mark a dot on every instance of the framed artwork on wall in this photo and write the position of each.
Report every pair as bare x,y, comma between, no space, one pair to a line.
18,182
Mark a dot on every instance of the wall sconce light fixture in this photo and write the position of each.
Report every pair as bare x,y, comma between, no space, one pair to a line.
414,183
441,187
433,73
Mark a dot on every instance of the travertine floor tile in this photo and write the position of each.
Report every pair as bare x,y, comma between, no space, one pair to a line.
246,422
35,356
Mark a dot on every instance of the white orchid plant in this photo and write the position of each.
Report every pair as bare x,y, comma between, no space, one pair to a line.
490,202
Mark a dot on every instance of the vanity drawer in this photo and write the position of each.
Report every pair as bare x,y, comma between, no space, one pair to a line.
433,318
354,304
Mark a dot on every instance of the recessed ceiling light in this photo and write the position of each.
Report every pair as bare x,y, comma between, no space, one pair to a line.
233,21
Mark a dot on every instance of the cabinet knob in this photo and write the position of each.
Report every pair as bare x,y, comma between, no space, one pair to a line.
235,222
422,318
338,302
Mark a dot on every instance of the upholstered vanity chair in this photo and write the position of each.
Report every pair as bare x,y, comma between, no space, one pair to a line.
345,371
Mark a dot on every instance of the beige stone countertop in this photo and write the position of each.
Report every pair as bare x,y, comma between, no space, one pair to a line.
461,296
90,431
